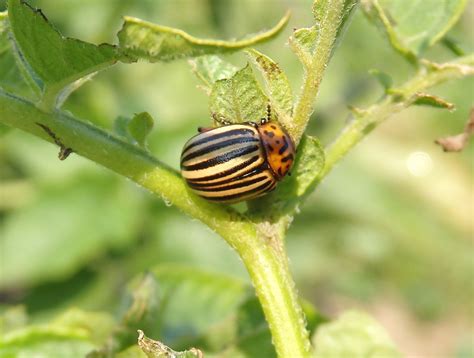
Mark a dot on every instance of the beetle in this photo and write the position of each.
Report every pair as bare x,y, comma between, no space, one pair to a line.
237,162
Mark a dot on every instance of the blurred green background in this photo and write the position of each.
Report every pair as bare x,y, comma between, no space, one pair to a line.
390,230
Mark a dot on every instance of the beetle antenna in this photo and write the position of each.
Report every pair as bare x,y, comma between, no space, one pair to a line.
268,118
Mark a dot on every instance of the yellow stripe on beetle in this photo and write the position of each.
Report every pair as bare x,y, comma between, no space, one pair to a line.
237,162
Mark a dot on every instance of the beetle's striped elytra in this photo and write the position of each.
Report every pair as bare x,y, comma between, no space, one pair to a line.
237,162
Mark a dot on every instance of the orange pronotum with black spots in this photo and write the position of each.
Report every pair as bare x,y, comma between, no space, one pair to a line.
279,148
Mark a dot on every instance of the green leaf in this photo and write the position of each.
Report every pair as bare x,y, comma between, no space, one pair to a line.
156,349
10,77
145,300
425,99
131,352
354,334
140,126
308,164
322,8
3,21
453,46
414,26
134,130
13,318
194,300
145,40
209,69
27,252
277,84
304,41
73,334
239,98
384,79
53,60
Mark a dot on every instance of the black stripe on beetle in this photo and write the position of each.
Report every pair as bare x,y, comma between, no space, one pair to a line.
226,173
239,184
217,146
221,158
259,189
227,179
210,138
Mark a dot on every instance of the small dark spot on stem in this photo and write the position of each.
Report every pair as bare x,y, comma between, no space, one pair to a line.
64,151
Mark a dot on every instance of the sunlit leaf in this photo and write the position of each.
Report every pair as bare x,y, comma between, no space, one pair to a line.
74,334
13,318
277,83
131,352
239,98
187,303
308,165
140,127
145,40
354,334
414,26
426,99
156,349
27,251
383,78
54,61
210,69
304,41
321,9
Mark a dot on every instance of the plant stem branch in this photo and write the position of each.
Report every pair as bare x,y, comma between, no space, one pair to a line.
314,70
266,264
398,99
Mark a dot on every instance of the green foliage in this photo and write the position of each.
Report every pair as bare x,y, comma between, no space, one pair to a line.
140,127
155,349
210,69
239,98
354,334
73,334
25,250
143,40
55,61
277,83
69,231
411,26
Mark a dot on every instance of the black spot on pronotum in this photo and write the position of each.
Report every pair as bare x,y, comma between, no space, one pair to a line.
273,127
277,141
270,148
284,147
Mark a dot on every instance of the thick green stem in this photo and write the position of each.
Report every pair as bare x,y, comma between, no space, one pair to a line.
314,70
268,270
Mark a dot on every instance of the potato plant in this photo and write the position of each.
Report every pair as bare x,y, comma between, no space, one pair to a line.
280,323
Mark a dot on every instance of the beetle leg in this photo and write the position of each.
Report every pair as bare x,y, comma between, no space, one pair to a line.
253,124
221,119
204,129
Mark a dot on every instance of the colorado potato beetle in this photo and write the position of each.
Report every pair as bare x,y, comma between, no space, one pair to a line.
237,162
